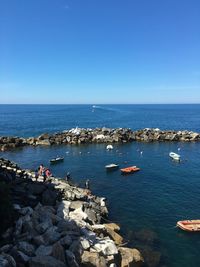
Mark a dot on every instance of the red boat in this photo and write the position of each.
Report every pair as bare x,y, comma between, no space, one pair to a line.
130,169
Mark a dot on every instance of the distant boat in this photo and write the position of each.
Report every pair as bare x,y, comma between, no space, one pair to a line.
129,169
56,160
112,166
174,156
109,147
189,225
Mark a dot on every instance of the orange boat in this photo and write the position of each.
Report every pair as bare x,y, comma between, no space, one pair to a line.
130,169
189,225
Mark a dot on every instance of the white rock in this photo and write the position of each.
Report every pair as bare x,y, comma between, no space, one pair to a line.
63,209
79,216
85,243
106,246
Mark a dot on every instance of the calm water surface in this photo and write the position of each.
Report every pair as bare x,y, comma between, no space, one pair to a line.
155,198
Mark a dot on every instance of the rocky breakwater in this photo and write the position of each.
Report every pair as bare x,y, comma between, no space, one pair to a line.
99,135
57,224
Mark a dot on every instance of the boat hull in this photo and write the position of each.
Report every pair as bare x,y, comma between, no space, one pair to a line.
189,225
174,156
111,167
129,170
54,161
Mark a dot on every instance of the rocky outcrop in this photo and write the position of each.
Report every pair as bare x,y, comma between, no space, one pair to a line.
99,135
66,230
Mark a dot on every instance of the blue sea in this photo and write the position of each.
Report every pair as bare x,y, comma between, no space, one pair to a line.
152,200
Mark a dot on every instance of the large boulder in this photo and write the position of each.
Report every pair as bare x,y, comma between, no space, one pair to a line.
45,261
63,209
43,136
92,259
106,246
44,142
115,236
130,257
49,197
58,252
76,205
194,136
35,188
78,216
51,235
70,258
44,250
7,261
112,226
26,248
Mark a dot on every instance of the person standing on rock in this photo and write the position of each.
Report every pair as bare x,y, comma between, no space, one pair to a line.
87,184
67,178
41,170
37,174
48,173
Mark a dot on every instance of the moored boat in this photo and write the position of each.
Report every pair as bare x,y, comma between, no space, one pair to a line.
130,169
189,225
174,156
56,160
109,147
112,166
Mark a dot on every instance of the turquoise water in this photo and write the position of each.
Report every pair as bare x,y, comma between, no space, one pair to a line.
155,198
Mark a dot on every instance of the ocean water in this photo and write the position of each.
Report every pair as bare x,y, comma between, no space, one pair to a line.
153,199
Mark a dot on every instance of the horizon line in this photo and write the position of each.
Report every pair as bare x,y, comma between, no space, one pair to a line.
99,103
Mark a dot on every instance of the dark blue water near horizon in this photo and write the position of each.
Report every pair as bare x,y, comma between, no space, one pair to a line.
32,120
155,198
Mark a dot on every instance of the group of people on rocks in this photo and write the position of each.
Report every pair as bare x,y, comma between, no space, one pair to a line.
44,172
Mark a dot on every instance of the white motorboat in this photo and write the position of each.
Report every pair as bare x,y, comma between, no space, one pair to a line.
56,160
112,166
109,147
174,156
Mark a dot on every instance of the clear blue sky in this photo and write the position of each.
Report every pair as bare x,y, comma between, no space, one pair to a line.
99,51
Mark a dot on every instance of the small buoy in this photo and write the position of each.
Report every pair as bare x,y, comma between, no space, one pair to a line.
179,148
141,152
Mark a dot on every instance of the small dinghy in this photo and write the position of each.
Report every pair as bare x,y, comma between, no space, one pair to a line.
129,169
189,225
56,160
109,147
174,156
111,166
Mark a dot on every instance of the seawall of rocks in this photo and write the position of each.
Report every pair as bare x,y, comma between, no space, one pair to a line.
99,135
58,224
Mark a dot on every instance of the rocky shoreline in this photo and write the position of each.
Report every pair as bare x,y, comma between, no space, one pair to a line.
58,224
99,135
